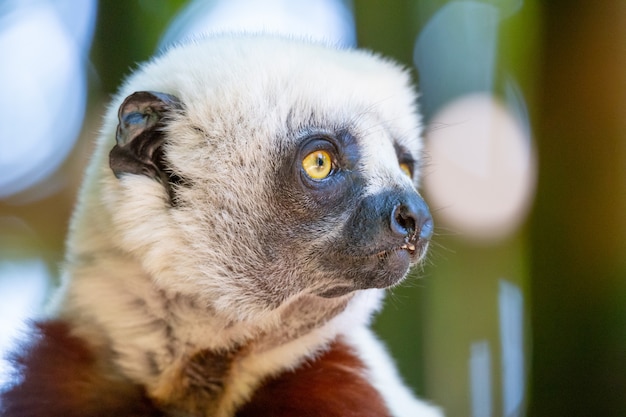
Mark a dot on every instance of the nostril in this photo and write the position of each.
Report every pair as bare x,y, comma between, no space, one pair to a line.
412,221
403,221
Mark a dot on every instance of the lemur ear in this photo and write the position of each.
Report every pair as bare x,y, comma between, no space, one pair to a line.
140,135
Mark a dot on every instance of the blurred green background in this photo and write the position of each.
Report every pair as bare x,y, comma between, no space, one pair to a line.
529,322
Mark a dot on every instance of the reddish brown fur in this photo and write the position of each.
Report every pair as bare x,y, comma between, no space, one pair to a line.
330,386
62,377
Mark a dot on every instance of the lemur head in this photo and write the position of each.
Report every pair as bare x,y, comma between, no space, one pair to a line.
246,171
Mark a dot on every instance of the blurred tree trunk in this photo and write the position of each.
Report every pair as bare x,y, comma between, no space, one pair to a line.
127,33
579,225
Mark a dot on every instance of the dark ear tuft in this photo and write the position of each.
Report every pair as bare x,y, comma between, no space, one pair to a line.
140,136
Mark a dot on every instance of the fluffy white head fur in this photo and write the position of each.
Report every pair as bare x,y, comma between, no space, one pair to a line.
224,268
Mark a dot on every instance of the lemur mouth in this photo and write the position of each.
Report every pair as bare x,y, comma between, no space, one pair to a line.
381,268
415,251
415,246
409,246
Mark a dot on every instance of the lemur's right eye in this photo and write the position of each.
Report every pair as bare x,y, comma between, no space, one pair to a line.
318,164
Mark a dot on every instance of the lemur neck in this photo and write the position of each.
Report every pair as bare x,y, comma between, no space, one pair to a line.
181,350
207,381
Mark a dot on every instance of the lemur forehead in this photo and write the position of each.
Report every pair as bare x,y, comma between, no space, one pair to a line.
236,67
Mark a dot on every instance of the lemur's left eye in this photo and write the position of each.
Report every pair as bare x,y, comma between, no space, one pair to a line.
406,168
317,165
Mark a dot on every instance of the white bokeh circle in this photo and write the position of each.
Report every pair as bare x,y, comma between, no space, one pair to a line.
482,168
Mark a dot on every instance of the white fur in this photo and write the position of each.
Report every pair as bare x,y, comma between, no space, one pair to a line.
385,377
128,253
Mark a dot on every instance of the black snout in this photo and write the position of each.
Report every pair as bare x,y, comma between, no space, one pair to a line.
411,218
386,234
387,221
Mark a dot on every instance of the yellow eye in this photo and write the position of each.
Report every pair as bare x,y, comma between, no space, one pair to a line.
406,168
317,164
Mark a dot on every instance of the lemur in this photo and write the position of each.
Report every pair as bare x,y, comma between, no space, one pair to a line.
249,200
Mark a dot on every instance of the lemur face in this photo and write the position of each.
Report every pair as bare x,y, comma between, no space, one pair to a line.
278,168
360,222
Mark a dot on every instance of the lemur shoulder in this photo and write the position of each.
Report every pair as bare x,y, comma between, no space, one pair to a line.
249,200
